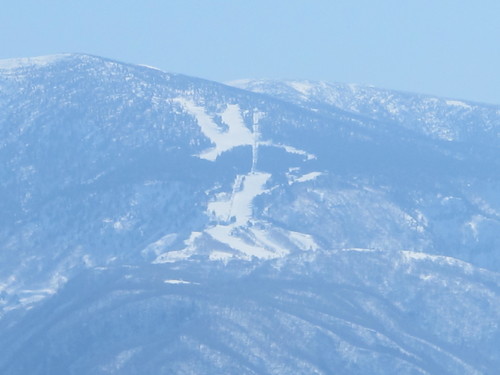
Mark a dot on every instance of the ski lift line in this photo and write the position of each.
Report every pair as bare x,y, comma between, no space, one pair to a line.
256,138
236,187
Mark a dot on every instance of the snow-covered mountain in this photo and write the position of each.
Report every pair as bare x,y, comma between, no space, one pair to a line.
159,223
439,118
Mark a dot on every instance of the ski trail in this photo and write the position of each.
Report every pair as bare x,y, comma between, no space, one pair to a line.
236,188
236,134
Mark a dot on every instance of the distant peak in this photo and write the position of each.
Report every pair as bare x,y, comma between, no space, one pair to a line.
70,58
44,61
38,61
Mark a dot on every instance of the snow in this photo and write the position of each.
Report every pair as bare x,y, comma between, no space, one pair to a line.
159,246
263,238
302,87
234,213
177,282
308,177
257,116
237,128
173,256
236,135
261,243
427,277
303,241
457,103
234,210
220,210
239,206
253,185
290,149
178,255
239,203
293,178
293,150
223,234
359,250
39,61
31,296
474,224
439,259
220,255
151,67
418,255
392,108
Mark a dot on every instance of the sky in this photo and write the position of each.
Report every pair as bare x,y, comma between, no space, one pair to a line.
440,47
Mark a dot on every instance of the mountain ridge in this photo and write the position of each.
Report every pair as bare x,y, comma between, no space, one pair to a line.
155,221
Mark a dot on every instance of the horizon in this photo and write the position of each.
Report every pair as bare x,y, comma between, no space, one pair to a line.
234,82
444,49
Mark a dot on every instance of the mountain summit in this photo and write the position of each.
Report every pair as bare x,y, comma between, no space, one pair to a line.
159,223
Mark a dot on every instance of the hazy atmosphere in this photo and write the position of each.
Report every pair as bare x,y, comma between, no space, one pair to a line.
446,48
250,188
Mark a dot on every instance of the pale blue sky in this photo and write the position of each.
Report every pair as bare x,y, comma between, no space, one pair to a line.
442,47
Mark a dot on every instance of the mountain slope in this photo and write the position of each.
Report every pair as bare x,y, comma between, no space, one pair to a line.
163,223
464,202
344,312
439,118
